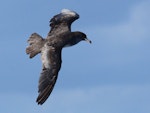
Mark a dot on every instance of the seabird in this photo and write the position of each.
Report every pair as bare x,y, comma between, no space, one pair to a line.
60,36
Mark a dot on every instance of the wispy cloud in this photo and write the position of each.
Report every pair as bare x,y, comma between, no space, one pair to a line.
96,99
133,30
118,53
122,50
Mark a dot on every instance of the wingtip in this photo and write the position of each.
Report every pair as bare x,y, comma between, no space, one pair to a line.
69,12
65,10
38,102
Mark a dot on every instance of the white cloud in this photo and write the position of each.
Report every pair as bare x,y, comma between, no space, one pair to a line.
100,99
124,43
133,30
105,99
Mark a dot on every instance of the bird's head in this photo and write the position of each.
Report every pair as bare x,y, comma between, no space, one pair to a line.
80,36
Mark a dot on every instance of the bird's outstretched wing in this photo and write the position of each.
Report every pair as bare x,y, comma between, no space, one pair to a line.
51,59
62,22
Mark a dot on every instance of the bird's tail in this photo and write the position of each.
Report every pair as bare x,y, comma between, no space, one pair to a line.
36,43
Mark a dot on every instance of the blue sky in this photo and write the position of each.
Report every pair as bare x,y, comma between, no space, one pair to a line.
112,75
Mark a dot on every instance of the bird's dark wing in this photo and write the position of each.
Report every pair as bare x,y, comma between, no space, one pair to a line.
51,59
62,22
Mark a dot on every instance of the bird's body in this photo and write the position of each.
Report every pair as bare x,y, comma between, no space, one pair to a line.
50,48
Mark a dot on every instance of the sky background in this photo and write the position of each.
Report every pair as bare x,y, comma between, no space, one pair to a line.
111,75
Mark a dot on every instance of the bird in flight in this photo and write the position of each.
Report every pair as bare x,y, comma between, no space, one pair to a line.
59,36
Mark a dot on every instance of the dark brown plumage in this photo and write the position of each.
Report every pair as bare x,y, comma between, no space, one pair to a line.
50,48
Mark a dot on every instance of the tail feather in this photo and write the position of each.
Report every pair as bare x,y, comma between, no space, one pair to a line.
36,42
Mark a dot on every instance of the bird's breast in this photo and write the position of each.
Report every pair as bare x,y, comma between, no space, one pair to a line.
45,56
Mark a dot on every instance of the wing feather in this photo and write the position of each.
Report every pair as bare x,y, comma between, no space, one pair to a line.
62,22
49,74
